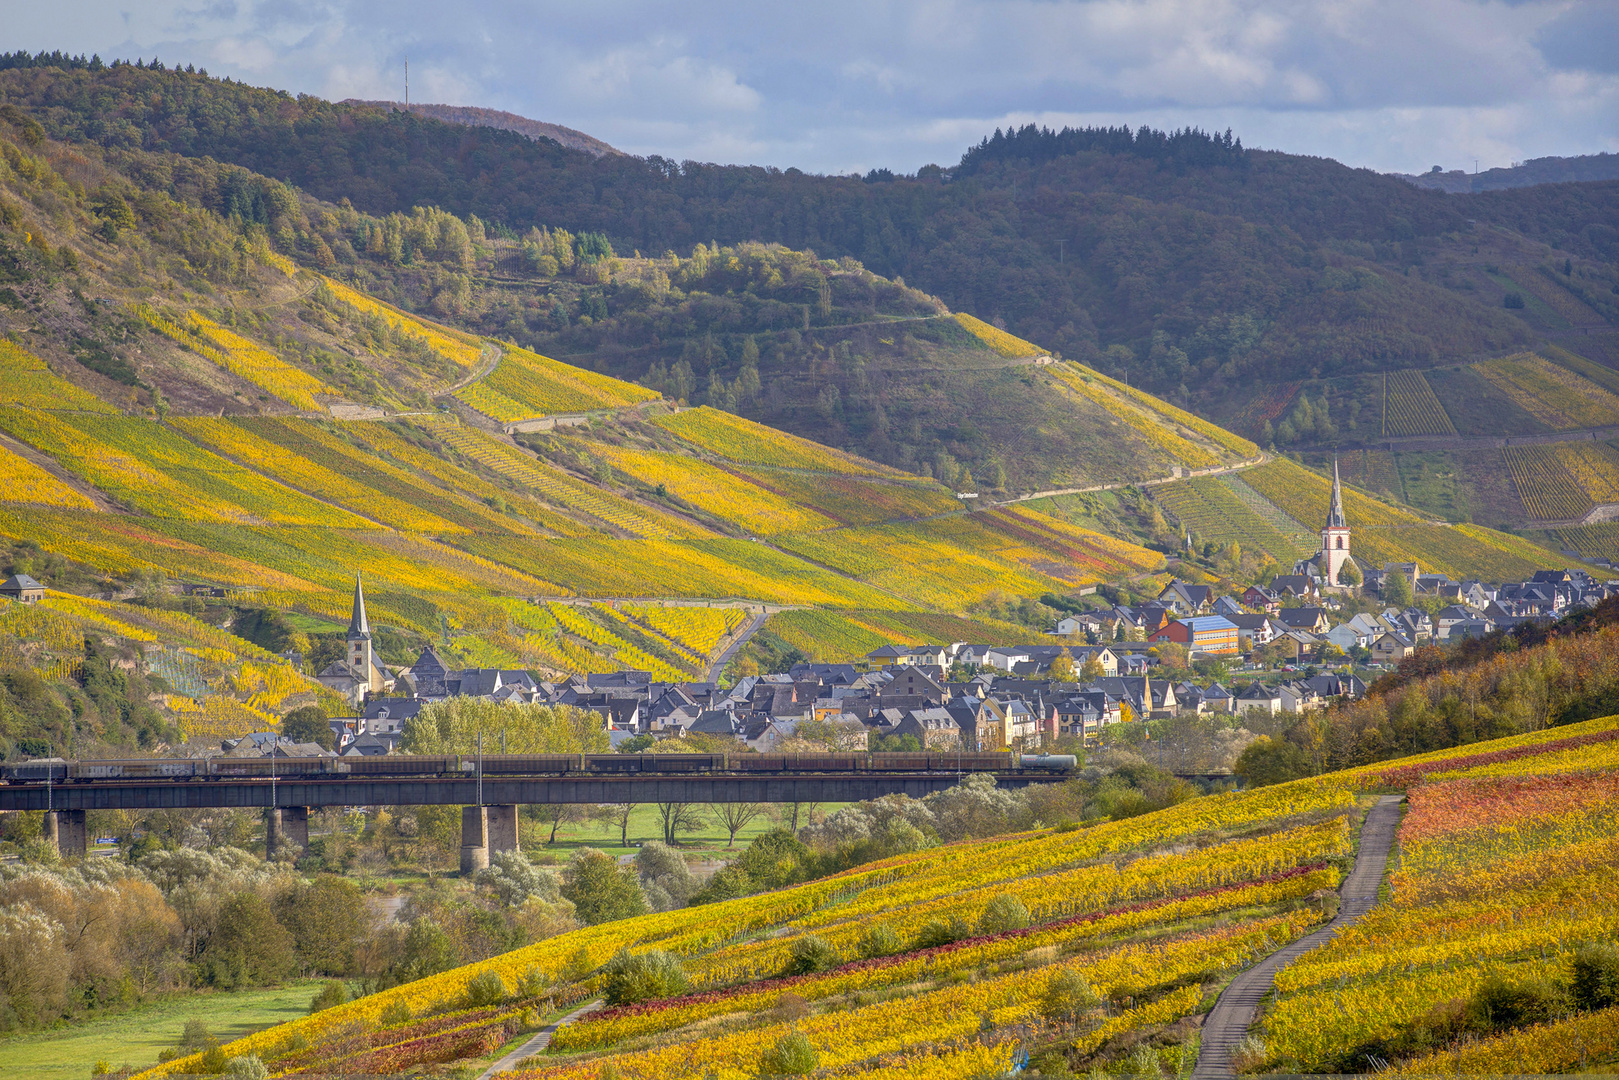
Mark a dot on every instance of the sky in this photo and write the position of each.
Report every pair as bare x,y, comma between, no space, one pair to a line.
839,86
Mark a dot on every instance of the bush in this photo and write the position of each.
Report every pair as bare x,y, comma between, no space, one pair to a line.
1595,982
791,1056
879,940
330,995
810,954
1499,1004
789,1008
484,990
628,979
1005,912
247,1067
938,932
1067,998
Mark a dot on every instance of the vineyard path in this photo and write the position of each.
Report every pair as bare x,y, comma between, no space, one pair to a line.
539,1042
1234,1013
718,667
1251,463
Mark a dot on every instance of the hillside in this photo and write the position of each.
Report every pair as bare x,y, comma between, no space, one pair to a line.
1096,944
1216,267
184,404
1195,268
1544,170
471,116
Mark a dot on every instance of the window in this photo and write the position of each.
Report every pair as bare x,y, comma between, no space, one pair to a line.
1340,543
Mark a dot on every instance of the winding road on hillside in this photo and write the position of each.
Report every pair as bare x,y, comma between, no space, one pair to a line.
1234,1013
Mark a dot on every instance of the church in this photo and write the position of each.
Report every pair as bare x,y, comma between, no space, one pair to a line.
1326,566
358,674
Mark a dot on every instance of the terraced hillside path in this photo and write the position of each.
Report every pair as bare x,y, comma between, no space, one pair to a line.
539,1042
1228,1023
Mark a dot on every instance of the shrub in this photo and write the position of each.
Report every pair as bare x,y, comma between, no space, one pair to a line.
938,932
394,1013
1005,912
1499,1004
1067,998
791,1056
879,940
484,990
810,954
247,1067
1595,982
628,979
331,994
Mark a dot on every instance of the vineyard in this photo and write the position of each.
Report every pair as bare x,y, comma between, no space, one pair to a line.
1505,861
1503,873
1384,533
844,636
26,380
525,385
1591,541
711,489
1212,511
999,340
245,359
1552,394
1410,407
1373,470
734,438
1548,491
464,350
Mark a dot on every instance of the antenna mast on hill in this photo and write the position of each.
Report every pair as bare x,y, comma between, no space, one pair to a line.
407,82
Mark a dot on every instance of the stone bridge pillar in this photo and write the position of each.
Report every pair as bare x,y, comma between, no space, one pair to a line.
502,824
474,839
286,828
65,831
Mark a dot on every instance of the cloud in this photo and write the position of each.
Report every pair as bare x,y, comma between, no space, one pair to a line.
847,85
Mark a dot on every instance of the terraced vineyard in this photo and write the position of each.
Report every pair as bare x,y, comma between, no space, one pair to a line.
1591,541
557,487
1547,489
1557,397
1384,533
1410,407
1212,511
1143,920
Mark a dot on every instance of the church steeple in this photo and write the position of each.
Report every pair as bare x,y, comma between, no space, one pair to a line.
1335,516
359,625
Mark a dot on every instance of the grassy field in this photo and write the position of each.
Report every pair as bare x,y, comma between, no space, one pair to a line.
135,1037
646,825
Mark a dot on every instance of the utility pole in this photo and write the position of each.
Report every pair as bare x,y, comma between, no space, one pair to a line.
1060,251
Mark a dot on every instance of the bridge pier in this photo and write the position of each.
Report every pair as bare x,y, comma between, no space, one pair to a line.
474,839
502,828
286,827
64,830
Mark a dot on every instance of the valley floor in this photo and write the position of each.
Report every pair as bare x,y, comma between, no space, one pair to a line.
137,1036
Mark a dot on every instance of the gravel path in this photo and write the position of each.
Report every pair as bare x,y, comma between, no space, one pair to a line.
540,1041
1232,1016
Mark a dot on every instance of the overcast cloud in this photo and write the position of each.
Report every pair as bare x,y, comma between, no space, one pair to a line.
846,85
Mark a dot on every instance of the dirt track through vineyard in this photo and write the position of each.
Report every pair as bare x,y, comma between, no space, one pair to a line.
1228,1023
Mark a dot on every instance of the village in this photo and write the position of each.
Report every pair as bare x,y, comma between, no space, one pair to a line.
1253,659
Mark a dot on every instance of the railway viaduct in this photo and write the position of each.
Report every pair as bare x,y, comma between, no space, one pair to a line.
489,803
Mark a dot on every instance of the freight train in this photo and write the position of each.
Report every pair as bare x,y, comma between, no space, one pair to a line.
425,766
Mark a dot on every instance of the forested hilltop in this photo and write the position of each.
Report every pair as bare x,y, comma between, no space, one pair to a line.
1198,268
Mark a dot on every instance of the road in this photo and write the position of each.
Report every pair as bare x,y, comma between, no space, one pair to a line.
718,667
1232,1016
539,1042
